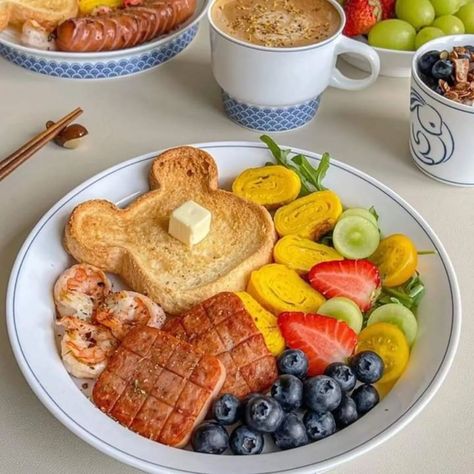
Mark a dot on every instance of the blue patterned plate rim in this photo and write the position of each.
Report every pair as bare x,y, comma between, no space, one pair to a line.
103,55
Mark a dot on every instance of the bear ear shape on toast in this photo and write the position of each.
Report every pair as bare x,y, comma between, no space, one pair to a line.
185,165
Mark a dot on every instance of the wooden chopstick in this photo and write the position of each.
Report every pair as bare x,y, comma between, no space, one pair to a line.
11,162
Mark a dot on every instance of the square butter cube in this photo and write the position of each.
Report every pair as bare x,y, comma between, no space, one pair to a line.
190,223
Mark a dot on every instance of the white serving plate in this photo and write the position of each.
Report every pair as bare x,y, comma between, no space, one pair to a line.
392,63
32,336
106,64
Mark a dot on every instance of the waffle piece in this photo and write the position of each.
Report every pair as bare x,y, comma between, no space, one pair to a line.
158,386
221,326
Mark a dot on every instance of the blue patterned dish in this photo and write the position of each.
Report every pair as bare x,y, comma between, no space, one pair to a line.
102,65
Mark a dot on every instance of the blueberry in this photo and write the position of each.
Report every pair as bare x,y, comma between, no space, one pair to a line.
293,362
288,391
245,401
367,366
245,440
442,69
264,414
319,425
342,374
226,409
365,398
426,62
321,393
211,438
291,433
346,412
428,80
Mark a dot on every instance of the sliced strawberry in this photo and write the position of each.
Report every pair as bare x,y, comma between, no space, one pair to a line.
361,16
323,339
358,280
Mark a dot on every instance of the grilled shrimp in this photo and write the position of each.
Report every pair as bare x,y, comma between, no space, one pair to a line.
85,347
123,310
79,290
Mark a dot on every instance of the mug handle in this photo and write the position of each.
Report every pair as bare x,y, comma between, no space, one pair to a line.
347,45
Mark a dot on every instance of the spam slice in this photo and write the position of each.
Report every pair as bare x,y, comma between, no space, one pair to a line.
158,386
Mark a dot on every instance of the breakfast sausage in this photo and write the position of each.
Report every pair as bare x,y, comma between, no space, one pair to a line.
123,27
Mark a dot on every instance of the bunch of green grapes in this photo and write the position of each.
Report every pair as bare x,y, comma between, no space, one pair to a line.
420,21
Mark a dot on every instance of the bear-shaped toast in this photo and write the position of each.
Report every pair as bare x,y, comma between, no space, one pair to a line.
134,242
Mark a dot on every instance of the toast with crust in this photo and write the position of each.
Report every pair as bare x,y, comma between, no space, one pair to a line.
48,13
134,242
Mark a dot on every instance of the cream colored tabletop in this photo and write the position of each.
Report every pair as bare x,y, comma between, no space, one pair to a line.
179,103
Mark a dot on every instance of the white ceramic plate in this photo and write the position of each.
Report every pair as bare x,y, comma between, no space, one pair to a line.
32,337
392,63
106,64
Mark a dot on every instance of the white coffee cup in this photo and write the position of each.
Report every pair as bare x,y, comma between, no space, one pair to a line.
279,89
441,130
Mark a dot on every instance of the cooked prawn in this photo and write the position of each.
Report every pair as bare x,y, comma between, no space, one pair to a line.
85,347
79,290
123,310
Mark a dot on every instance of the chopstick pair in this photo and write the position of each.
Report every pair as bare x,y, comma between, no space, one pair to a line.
13,161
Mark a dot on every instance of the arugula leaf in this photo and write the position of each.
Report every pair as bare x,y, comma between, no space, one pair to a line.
281,156
311,177
427,252
374,213
409,294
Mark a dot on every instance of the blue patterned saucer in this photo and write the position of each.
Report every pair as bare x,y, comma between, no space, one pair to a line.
270,119
103,65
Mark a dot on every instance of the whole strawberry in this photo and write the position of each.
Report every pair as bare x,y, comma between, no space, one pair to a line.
361,16
388,9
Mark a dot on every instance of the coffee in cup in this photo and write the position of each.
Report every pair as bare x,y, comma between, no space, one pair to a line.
277,23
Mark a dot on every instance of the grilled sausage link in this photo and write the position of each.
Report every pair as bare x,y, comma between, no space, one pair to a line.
124,27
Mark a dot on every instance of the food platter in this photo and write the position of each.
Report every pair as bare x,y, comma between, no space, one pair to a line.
42,258
102,65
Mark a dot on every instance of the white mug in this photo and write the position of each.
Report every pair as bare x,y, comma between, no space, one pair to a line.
441,130
279,89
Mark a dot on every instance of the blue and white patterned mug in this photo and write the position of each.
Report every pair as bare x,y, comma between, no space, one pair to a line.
279,89
441,130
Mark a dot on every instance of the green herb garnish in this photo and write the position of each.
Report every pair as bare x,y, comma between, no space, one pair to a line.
374,213
408,294
311,177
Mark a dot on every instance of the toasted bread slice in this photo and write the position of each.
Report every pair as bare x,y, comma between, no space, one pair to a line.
48,13
134,242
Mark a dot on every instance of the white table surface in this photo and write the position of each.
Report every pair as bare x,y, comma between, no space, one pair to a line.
179,103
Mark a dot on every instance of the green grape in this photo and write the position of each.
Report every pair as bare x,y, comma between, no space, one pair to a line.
418,13
449,24
446,7
393,34
427,34
466,15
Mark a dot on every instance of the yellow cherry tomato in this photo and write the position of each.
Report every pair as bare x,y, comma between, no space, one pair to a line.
397,259
390,344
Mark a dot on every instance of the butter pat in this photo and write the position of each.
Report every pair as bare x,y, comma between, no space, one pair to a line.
190,223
